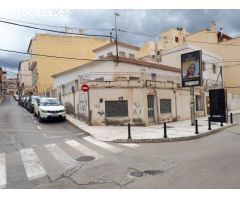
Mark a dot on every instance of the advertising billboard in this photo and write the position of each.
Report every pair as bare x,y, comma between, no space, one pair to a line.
191,69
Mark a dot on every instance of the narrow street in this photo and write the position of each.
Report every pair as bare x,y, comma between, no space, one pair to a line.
59,155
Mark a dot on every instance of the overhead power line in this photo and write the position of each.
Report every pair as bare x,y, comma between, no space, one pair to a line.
54,26
51,56
54,31
135,33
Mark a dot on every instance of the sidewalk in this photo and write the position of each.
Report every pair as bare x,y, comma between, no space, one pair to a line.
176,131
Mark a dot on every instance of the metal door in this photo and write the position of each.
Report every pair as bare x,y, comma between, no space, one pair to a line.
150,100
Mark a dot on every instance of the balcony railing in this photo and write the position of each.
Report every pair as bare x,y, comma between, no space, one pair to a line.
108,77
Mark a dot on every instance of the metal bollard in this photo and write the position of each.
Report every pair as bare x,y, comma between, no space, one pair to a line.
165,130
221,120
209,123
231,118
196,127
129,131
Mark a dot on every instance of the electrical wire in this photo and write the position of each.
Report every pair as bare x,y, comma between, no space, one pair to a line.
51,56
54,26
54,31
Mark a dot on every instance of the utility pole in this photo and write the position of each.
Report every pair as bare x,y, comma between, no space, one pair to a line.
192,105
116,36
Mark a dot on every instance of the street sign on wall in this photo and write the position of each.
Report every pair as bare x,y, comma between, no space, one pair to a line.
191,69
85,87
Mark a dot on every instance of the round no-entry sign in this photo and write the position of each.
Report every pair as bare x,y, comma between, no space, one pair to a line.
85,87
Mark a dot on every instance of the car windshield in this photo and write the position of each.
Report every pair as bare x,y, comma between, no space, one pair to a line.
49,102
34,98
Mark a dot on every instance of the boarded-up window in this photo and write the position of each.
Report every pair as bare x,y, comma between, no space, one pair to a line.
165,106
116,108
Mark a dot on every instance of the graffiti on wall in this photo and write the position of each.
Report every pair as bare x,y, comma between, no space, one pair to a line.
99,109
137,108
83,103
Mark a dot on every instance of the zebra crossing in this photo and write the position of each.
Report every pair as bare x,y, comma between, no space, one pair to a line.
35,164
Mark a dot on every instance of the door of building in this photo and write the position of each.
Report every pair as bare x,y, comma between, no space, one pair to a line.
150,101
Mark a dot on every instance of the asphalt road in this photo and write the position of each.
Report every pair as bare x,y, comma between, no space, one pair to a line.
70,159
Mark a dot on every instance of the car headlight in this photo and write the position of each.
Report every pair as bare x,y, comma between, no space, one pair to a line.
45,111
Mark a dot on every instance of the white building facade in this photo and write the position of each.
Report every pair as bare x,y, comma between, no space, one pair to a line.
124,90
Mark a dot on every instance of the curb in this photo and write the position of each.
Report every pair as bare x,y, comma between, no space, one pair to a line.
85,132
162,140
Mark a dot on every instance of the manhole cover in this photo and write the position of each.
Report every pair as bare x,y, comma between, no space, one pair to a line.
85,158
153,172
136,173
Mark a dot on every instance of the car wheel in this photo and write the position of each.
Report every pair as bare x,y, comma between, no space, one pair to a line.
39,118
35,114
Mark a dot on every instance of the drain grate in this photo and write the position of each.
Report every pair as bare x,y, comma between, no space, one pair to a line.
136,174
153,172
85,158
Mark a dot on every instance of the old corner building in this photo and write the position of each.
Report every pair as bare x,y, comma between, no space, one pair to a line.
124,90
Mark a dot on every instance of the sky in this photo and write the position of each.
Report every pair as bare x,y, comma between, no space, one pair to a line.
101,21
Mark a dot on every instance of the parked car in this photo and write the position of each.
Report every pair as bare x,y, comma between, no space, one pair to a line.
30,104
16,97
25,101
49,108
22,99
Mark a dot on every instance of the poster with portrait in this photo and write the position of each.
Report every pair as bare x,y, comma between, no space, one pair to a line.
191,70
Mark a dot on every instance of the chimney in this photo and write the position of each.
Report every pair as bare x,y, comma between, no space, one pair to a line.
213,27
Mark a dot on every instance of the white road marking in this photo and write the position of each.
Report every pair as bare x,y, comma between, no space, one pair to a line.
3,175
83,149
103,145
39,127
78,134
64,159
33,166
132,145
51,137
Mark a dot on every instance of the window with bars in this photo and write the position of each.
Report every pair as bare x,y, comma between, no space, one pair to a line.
122,54
131,56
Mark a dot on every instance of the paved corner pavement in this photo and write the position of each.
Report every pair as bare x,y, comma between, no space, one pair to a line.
176,131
